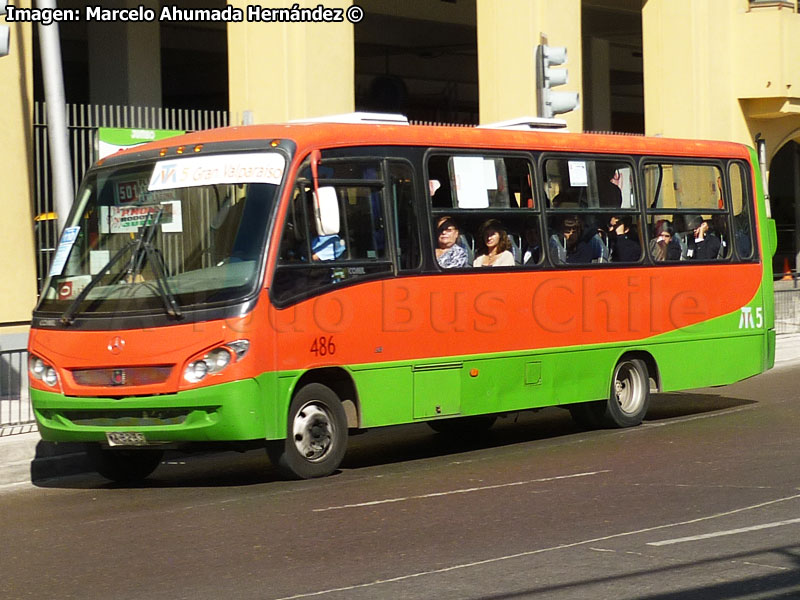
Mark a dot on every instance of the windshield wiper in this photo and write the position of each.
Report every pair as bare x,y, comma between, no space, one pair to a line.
145,249
162,284
67,316
142,247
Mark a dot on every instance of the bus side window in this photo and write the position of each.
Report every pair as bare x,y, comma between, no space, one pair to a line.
740,205
294,244
689,202
406,223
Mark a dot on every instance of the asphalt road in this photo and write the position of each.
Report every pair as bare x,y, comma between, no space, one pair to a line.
701,502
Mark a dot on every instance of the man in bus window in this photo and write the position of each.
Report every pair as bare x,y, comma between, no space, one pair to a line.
704,244
609,193
532,249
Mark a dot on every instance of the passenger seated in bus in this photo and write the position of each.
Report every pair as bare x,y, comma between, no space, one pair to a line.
570,244
494,249
449,254
609,194
532,244
665,245
742,235
623,243
704,244
719,227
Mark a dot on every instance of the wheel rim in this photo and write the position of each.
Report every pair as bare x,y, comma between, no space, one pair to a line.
313,432
629,388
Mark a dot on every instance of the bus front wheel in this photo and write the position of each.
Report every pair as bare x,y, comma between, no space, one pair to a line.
316,437
123,466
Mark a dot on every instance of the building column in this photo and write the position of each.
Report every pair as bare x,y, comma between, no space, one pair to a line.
600,86
508,33
18,267
125,59
281,71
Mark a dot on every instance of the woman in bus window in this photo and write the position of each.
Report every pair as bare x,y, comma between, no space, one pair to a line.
495,246
449,254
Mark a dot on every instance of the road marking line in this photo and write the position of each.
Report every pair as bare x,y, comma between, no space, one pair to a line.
498,559
705,536
459,491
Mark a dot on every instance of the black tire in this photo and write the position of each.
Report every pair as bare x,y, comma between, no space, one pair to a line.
629,396
469,427
123,466
316,436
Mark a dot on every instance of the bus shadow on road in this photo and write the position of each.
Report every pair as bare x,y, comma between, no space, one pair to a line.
682,578
392,445
418,441
677,405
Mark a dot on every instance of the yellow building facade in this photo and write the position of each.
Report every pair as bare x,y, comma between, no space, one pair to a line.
716,69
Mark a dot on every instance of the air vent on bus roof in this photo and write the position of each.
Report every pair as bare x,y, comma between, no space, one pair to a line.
358,117
529,124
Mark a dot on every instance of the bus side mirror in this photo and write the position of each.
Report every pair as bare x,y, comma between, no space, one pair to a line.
326,210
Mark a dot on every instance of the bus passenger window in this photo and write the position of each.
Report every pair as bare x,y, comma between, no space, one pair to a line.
687,203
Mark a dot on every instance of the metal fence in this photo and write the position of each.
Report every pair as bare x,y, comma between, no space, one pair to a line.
787,310
83,121
16,415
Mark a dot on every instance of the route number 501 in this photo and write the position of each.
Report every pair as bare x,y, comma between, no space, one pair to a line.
746,320
323,346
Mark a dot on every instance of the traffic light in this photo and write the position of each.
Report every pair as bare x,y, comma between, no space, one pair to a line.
553,103
5,31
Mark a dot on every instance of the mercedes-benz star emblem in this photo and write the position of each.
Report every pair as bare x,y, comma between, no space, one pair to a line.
116,345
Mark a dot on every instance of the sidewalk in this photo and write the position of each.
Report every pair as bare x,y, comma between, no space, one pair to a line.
25,458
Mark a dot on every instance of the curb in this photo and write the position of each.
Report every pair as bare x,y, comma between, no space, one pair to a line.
27,458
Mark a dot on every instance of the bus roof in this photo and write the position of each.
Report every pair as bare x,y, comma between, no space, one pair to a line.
310,135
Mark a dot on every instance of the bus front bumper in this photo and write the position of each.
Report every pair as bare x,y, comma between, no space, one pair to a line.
225,412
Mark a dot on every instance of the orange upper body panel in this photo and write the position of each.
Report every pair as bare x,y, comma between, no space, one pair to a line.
334,135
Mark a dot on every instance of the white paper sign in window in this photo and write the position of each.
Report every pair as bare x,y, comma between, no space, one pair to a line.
577,174
470,181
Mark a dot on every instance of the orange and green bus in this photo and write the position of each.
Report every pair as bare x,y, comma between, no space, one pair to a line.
284,286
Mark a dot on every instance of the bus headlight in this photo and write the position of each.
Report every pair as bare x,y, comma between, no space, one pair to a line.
215,360
196,371
41,371
50,376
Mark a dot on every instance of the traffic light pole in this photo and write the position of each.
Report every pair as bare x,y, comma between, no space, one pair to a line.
53,75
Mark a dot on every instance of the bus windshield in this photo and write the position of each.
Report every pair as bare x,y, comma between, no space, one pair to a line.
165,235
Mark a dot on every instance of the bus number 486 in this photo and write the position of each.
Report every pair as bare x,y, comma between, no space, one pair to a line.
323,346
747,321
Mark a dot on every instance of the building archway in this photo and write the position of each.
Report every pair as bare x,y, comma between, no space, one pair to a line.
784,193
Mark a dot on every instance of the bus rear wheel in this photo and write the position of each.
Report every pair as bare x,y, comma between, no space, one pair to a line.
123,466
629,397
316,437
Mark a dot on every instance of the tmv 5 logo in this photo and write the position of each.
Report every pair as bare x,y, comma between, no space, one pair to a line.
746,320
164,174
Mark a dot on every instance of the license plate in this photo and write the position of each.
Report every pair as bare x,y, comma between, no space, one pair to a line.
125,438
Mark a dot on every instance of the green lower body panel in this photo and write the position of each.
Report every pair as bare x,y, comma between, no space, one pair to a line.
225,412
